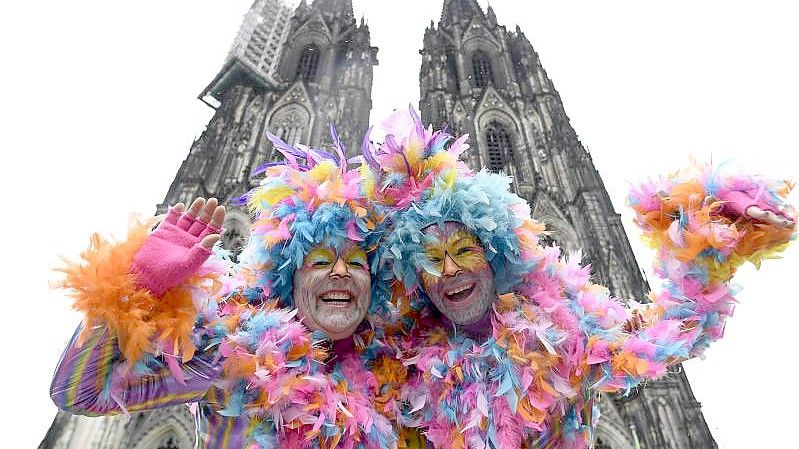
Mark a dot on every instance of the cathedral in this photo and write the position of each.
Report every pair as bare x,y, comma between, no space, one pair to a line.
292,72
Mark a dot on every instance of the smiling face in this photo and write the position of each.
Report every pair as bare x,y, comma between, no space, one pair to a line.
333,288
465,289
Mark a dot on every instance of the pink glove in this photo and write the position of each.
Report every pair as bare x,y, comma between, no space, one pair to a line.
172,252
738,202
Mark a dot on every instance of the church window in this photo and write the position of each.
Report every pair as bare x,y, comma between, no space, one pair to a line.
518,64
309,62
498,145
441,113
483,76
290,133
341,52
452,68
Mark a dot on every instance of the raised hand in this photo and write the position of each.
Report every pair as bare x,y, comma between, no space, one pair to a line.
179,245
745,205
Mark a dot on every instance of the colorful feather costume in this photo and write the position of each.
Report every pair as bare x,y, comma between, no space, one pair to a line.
310,199
556,339
259,378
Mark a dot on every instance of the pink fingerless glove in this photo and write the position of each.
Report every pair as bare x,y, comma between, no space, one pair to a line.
738,202
172,253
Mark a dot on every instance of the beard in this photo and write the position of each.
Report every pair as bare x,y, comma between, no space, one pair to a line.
335,306
465,298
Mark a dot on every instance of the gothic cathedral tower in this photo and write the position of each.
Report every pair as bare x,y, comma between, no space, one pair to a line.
479,78
289,72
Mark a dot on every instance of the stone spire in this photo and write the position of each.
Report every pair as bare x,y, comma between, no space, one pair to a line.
453,11
492,17
334,7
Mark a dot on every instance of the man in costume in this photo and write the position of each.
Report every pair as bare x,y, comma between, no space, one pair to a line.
166,325
509,341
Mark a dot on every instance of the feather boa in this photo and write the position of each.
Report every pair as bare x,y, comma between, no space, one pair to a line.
559,337
700,244
106,292
556,337
507,390
276,371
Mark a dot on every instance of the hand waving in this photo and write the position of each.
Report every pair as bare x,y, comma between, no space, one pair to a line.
179,245
743,204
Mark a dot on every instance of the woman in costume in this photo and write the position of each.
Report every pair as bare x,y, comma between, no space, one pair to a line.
509,341
166,325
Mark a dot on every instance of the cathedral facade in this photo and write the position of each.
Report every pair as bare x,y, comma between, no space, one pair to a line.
293,72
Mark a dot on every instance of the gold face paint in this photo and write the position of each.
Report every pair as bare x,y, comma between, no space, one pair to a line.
332,289
323,257
356,257
320,257
461,282
462,247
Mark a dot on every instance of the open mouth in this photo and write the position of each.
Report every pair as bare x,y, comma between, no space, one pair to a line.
460,293
337,298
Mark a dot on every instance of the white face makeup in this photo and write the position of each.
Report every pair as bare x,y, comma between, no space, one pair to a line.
332,289
465,289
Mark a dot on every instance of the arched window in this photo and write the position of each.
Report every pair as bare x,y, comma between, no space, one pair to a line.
452,68
309,62
483,76
498,146
341,52
291,133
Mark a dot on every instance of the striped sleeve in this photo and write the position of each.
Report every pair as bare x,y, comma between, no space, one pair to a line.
88,379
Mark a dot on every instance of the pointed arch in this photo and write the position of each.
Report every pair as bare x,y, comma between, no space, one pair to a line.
611,431
499,147
483,72
308,64
495,123
236,232
162,428
561,232
291,123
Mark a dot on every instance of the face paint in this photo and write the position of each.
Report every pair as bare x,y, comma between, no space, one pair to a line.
332,289
464,289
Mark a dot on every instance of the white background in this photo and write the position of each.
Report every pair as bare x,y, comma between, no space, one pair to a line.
99,109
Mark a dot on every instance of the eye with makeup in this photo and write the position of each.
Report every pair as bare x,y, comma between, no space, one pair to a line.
320,258
326,258
463,251
434,254
356,258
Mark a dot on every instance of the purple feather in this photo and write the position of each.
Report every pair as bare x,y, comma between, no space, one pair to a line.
339,147
239,200
290,153
323,154
391,144
366,150
418,121
263,167
407,165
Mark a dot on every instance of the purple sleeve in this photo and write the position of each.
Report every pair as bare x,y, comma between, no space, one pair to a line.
89,379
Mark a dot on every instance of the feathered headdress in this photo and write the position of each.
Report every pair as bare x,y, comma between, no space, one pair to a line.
309,198
425,182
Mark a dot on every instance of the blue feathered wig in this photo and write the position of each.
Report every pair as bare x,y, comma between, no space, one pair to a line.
310,198
423,180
